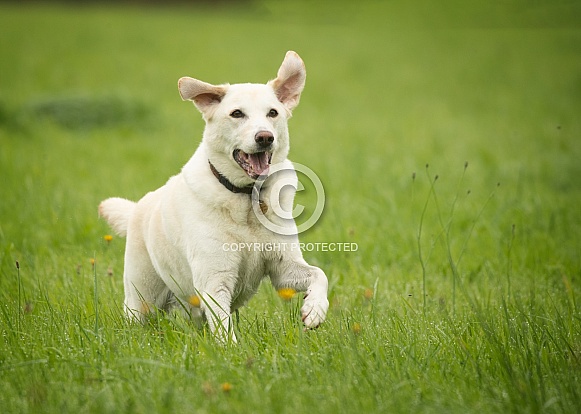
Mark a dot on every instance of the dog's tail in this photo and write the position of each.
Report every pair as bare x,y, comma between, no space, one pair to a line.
117,212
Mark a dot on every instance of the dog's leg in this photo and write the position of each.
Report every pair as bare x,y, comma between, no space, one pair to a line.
216,303
144,289
316,304
300,276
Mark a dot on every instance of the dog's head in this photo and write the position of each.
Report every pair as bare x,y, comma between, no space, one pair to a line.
246,124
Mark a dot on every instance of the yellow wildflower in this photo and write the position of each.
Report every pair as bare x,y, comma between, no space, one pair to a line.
194,300
226,387
108,238
286,293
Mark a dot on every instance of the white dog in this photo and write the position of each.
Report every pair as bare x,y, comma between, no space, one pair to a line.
179,237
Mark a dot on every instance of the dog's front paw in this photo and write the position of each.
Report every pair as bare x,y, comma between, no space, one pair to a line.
314,310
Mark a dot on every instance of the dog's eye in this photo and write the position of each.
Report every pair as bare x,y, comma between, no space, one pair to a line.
273,113
237,113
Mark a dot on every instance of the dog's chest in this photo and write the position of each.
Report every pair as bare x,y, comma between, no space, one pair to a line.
253,267
251,218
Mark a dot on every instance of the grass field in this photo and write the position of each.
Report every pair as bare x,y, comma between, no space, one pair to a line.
448,140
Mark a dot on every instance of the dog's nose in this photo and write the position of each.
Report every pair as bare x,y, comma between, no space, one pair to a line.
264,138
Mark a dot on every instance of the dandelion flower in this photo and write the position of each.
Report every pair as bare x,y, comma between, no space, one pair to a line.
368,294
287,293
108,238
226,387
194,300
92,260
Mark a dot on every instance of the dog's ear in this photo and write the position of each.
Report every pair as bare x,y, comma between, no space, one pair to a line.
290,80
204,95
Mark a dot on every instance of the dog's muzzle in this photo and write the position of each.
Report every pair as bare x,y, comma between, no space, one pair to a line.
254,165
257,163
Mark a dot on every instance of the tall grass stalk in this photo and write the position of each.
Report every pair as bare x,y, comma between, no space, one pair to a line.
475,221
422,259
446,231
509,262
445,228
96,294
19,319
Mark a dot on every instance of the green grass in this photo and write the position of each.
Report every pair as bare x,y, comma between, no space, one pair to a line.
463,295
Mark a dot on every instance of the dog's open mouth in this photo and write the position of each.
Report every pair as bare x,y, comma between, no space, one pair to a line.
254,165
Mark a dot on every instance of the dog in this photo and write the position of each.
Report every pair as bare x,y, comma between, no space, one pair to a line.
178,253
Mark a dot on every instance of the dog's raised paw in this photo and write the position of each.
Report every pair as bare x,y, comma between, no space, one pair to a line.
314,311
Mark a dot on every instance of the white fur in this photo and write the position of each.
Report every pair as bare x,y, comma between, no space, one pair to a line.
178,236
117,212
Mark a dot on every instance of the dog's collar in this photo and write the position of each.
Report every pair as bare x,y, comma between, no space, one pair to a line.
226,183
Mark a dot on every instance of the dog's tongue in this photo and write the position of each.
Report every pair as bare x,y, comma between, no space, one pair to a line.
254,165
259,162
